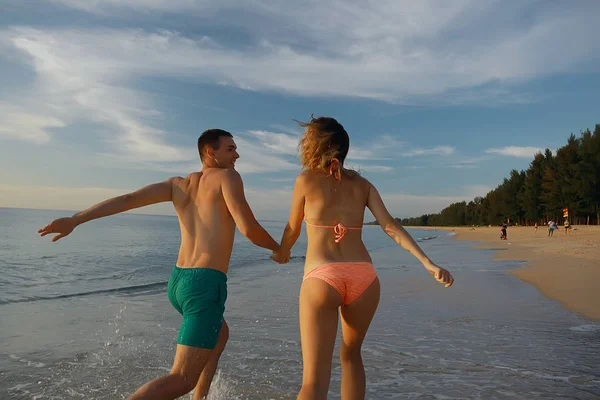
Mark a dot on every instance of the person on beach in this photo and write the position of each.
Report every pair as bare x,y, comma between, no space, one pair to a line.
503,235
209,205
567,227
535,228
551,227
338,273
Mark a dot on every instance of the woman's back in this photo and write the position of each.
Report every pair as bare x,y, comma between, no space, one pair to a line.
339,278
334,213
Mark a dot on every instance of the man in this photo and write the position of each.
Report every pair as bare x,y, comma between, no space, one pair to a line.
551,227
503,232
209,205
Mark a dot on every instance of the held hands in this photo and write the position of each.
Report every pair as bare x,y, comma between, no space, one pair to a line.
281,257
62,226
440,274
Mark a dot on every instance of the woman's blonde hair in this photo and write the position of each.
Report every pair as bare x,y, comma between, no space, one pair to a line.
324,140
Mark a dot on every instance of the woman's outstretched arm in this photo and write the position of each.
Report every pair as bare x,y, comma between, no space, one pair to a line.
394,230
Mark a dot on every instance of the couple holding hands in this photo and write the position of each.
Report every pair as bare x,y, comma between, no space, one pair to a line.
338,274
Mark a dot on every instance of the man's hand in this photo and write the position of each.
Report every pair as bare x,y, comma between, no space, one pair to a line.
62,226
281,257
440,274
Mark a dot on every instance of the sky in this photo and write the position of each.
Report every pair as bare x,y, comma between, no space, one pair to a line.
441,99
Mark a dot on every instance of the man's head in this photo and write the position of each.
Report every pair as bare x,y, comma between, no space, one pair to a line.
217,149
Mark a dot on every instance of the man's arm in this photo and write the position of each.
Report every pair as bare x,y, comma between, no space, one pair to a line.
233,193
151,194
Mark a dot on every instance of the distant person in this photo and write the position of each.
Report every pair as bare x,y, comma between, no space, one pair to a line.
567,227
209,205
535,228
503,235
339,278
551,226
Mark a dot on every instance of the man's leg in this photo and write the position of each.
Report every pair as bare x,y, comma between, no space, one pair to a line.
187,368
201,390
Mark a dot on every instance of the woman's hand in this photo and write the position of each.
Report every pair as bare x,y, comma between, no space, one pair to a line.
440,274
281,257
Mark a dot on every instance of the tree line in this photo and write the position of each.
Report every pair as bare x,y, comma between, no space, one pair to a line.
568,179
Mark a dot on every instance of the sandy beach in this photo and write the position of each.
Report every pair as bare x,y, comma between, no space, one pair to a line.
563,268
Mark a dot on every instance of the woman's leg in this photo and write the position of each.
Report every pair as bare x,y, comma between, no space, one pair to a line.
319,304
356,318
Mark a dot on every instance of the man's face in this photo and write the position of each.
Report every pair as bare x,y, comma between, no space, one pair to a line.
227,153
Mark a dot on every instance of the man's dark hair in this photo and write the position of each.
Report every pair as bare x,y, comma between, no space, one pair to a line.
210,137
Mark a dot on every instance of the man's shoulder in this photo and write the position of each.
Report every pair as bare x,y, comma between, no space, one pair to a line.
223,176
194,177
229,174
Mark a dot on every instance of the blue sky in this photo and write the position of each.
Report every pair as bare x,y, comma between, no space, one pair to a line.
440,98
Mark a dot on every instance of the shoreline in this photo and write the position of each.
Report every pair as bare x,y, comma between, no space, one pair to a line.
562,268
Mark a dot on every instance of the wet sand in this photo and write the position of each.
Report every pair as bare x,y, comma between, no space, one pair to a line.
563,268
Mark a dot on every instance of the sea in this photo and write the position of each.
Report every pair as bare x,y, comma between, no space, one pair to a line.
88,317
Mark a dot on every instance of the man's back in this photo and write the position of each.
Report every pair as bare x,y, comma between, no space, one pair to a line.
209,204
207,227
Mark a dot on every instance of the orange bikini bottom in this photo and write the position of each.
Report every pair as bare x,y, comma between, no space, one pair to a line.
350,279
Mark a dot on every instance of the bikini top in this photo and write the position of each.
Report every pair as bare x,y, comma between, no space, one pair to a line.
339,230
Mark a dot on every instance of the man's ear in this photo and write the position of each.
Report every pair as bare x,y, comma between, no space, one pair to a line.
210,152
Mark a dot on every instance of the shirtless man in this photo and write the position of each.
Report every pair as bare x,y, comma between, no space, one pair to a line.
209,205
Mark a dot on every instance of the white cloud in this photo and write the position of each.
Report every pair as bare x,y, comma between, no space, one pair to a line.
277,142
392,50
383,147
20,124
469,162
435,151
263,147
515,151
80,84
102,6
255,158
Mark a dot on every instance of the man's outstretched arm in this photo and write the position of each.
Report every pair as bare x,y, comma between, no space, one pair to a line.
233,193
151,194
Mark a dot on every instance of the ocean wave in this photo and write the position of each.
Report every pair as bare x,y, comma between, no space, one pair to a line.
586,328
125,289
425,238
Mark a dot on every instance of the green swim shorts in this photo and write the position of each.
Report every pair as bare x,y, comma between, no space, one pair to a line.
199,294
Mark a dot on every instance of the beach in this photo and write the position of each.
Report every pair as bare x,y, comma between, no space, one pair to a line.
563,267
88,317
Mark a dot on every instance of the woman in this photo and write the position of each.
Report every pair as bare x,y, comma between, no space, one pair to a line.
338,272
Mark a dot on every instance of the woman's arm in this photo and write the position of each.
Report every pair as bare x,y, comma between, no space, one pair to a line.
294,226
394,230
